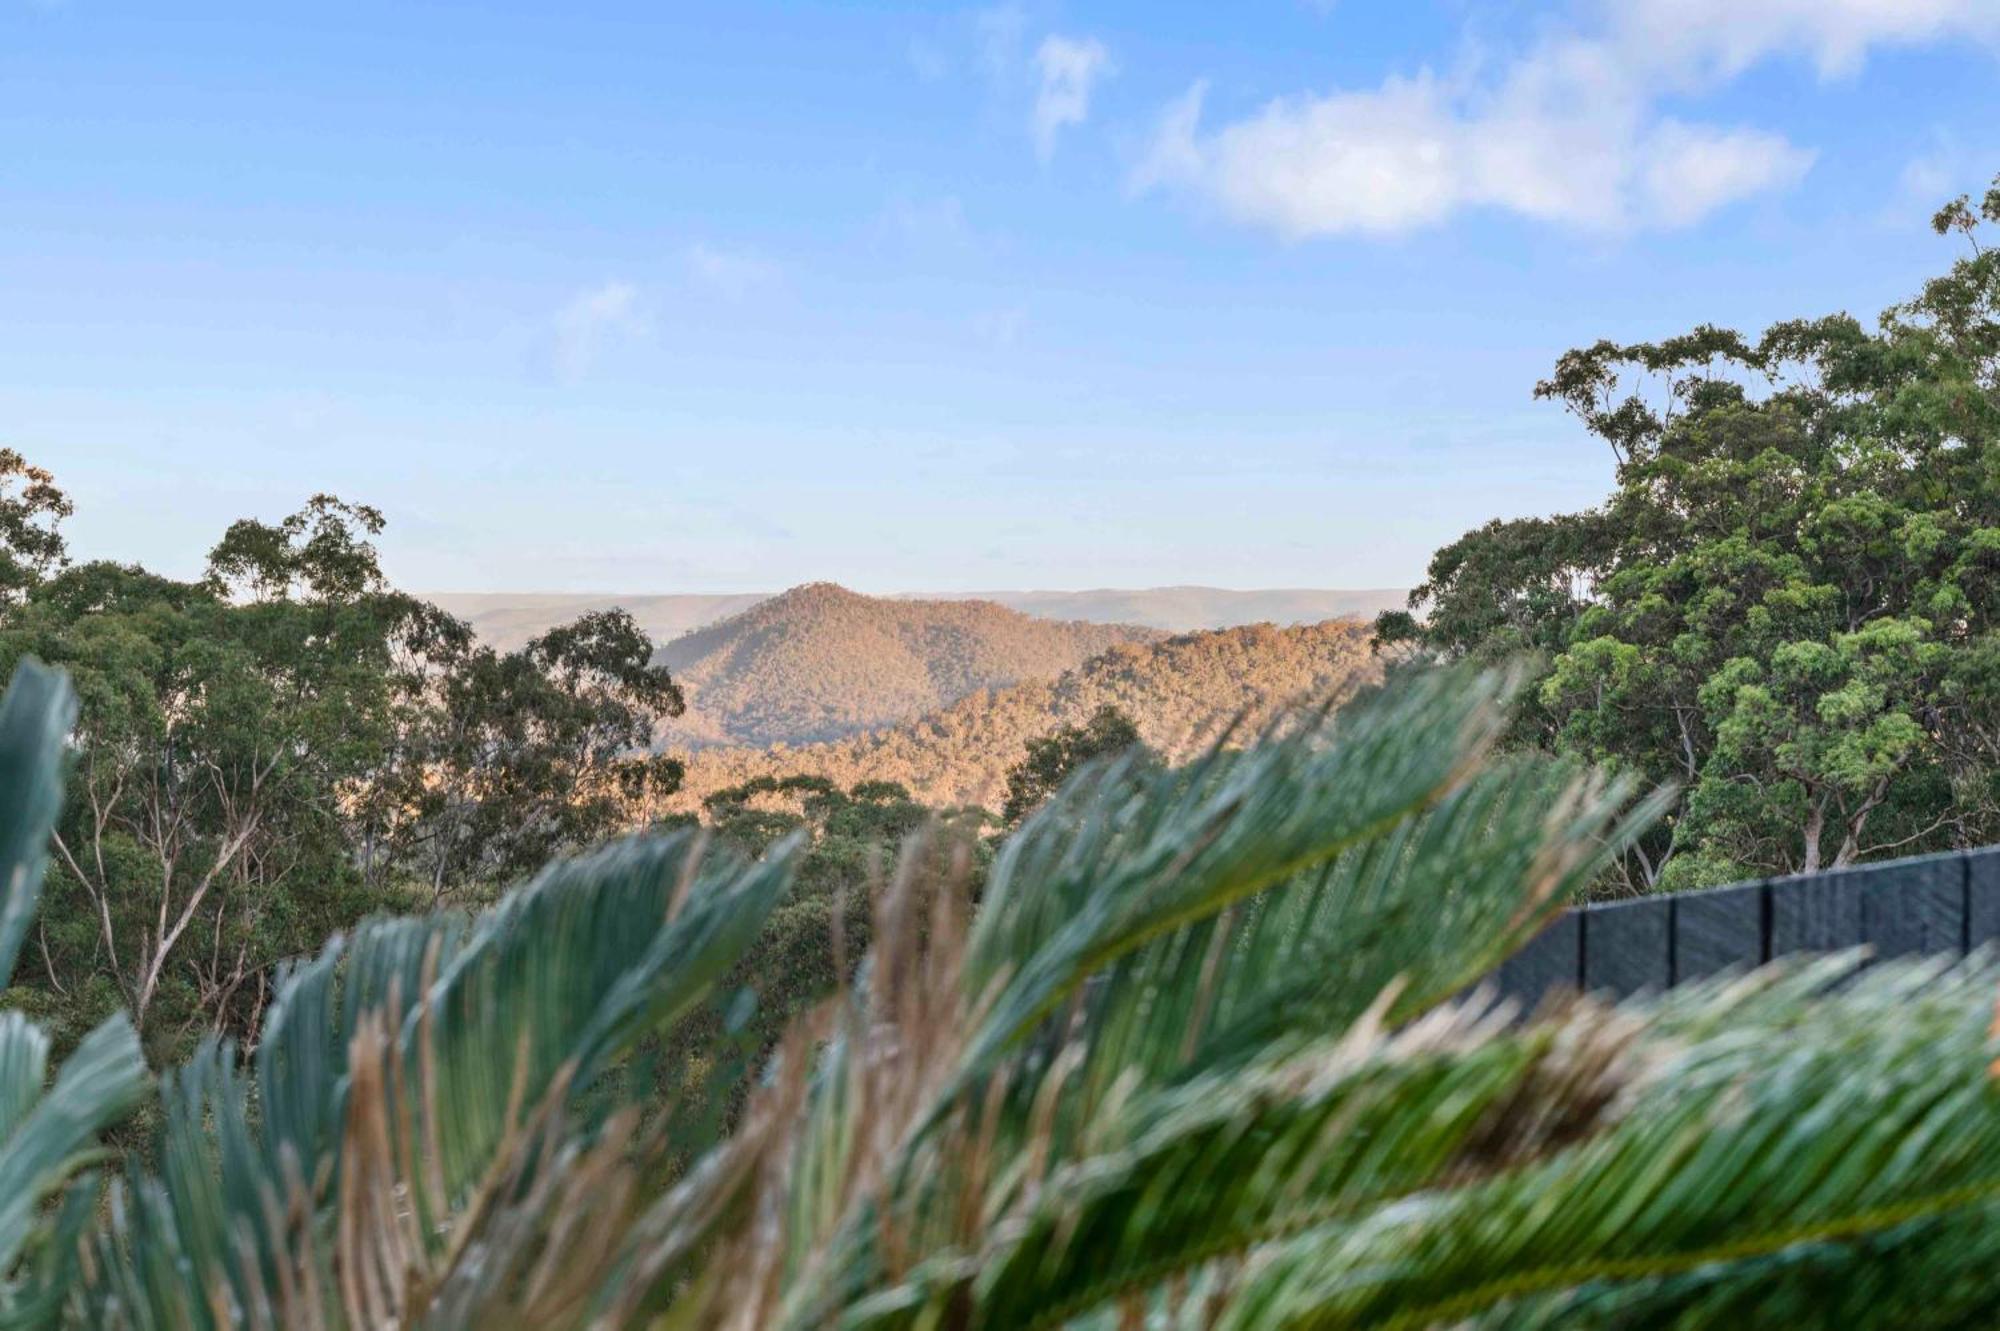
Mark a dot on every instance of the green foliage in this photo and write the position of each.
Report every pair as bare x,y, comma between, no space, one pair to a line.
820,932
31,513
272,752
1198,1060
1790,606
1053,757
46,1130
521,755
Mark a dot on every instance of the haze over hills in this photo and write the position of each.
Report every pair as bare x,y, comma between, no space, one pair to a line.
508,619
820,662
1181,691
1187,609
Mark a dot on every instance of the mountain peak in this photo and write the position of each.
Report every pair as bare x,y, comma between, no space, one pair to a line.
820,661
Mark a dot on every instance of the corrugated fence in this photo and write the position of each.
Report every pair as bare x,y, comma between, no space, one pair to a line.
1925,905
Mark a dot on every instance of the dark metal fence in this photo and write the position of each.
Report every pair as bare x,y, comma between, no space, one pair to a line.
1926,905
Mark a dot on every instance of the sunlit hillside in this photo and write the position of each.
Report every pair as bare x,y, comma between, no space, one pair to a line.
821,662
1181,691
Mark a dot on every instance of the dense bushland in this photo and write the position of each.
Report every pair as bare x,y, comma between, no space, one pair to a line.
1180,694
270,752
820,662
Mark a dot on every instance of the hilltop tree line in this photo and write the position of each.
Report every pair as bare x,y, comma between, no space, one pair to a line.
1789,607
272,750
1180,696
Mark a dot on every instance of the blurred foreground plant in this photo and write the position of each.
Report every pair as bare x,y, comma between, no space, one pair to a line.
1199,1059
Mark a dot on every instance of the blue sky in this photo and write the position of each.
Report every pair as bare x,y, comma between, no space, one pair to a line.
664,297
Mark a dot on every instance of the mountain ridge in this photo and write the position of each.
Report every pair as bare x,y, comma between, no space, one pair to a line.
1182,691
507,620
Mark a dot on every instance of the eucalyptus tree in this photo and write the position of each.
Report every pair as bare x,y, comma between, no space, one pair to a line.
1790,605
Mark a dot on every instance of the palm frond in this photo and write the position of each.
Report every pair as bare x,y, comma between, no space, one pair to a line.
1138,932
407,1082
48,1134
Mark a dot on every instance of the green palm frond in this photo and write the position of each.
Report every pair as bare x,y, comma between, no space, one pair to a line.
405,1080
48,1134
35,721
1149,929
1776,1171
1208,1055
1239,1095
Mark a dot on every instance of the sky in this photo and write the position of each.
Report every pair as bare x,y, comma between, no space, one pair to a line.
659,297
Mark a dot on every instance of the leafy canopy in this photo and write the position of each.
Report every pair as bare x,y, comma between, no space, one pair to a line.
272,751
1790,606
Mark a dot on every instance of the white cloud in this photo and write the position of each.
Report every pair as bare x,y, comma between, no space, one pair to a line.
593,319
1709,39
1566,131
733,273
1690,171
1069,68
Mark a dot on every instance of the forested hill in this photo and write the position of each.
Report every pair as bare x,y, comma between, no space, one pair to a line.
1181,691
820,662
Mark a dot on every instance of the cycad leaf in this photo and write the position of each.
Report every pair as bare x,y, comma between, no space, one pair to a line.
35,720
1119,859
439,1036
98,1085
1813,1159
24,1069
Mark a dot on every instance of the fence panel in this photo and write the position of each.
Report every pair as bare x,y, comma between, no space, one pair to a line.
1718,929
1913,907
1628,946
1930,905
1982,896
1552,959
1816,913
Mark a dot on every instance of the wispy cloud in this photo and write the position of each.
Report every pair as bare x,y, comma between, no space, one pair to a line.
999,33
592,320
732,273
1945,168
1568,130
1055,77
938,221
1002,327
1069,67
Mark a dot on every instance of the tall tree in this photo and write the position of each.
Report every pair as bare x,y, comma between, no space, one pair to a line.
226,725
31,512
1789,605
1054,756
272,751
525,753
